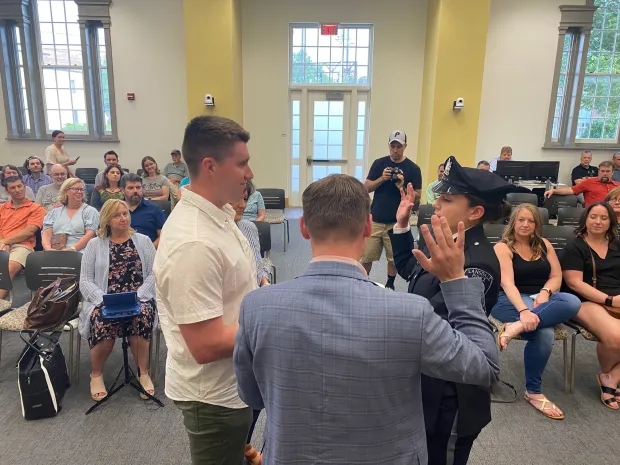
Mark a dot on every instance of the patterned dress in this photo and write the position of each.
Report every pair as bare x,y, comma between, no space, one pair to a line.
125,276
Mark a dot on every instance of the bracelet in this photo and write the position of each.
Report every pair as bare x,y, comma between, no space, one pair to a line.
525,309
609,301
548,290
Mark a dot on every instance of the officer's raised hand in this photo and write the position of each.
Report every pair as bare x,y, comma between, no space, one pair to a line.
447,257
406,205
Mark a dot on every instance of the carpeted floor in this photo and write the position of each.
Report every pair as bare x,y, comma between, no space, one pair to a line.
128,430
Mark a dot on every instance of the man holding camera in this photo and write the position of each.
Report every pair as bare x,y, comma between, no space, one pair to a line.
385,178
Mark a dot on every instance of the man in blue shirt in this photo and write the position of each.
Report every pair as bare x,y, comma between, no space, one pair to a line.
35,176
146,217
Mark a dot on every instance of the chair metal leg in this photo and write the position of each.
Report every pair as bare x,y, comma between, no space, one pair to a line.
78,346
284,231
0,345
274,274
566,370
288,230
572,363
71,361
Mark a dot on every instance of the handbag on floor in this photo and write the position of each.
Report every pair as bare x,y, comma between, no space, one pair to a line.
54,305
42,377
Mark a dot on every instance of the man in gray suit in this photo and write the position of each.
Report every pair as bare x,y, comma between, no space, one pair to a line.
336,360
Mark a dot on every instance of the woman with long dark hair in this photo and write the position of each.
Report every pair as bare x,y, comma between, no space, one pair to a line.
110,189
530,303
591,270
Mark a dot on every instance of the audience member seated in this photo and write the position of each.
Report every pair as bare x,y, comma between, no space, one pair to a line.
72,225
146,217
20,220
47,196
484,165
593,189
613,199
109,158
616,161
251,234
430,195
583,170
110,187
177,170
504,154
155,186
35,178
9,171
118,260
56,154
590,265
255,208
529,302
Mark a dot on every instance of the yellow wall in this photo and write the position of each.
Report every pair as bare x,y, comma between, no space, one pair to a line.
454,66
213,57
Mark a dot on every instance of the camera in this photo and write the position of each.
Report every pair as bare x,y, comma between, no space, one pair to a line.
395,172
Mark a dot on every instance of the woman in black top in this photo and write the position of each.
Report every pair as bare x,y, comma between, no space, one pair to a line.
596,244
530,303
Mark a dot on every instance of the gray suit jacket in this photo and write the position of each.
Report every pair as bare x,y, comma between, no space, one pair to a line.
336,362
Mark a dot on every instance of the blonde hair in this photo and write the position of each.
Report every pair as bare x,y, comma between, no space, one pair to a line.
66,185
109,209
536,240
615,192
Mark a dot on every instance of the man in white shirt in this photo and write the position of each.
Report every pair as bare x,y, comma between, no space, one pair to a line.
203,268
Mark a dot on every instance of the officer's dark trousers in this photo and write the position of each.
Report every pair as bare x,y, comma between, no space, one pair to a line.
445,447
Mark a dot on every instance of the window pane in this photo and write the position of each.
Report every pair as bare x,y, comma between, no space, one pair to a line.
71,11
358,173
335,138
359,153
296,122
51,99
60,33
321,123
47,34
53,120
340,59
58,11
295,107
64,99
43,6
334,152
295,152
320,137
73,34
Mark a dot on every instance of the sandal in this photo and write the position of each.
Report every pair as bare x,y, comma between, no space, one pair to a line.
97,388
607,390
503,333
147,385
544,410
252,456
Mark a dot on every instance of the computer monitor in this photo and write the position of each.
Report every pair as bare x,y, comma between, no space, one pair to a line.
515,170
545,170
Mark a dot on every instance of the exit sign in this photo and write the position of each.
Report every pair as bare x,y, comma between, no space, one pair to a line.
329,29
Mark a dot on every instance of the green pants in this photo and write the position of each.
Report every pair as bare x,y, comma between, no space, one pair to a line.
217,434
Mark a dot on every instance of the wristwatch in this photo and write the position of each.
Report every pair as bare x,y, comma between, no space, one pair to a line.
609,301
73,248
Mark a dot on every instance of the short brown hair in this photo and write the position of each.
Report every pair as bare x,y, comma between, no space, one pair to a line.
335,207
210,137
506,149
606,163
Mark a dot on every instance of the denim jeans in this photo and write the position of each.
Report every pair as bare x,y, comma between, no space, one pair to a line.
561,307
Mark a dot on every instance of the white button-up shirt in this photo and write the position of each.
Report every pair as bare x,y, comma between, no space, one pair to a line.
203,268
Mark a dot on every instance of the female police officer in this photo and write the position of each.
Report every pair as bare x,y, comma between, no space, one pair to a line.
455,413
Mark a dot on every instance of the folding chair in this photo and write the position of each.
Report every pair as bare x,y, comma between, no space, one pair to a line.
556,202
264,238
164,205
87,175
275,204
43,268
517,198
569,216
558,236
493,232
587,335
5,284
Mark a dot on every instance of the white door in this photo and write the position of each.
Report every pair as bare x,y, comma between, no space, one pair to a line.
329,136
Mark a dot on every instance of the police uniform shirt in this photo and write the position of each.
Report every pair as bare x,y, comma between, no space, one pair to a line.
387,196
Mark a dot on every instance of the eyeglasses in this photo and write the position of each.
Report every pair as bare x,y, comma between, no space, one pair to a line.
77,189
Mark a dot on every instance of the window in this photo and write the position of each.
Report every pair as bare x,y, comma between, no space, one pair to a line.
296,112
585,107
57,70
344,58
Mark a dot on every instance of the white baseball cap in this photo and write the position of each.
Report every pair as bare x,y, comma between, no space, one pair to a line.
398,136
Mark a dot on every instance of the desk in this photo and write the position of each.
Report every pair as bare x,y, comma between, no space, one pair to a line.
539,185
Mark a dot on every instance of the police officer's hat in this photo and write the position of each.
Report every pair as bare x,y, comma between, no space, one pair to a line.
480,183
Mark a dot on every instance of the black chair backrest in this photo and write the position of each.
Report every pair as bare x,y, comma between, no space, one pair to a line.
569,216
126,170
140,171
558,236
164,205
89,192
493,232
87,175
42,268
517,198
424,213
22,170
264,236
555,202
273,198
544,214
5,279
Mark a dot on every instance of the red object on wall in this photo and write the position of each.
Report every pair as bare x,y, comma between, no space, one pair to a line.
329,29
131,96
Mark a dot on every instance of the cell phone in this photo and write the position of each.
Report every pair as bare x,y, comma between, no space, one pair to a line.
77,158
533,296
